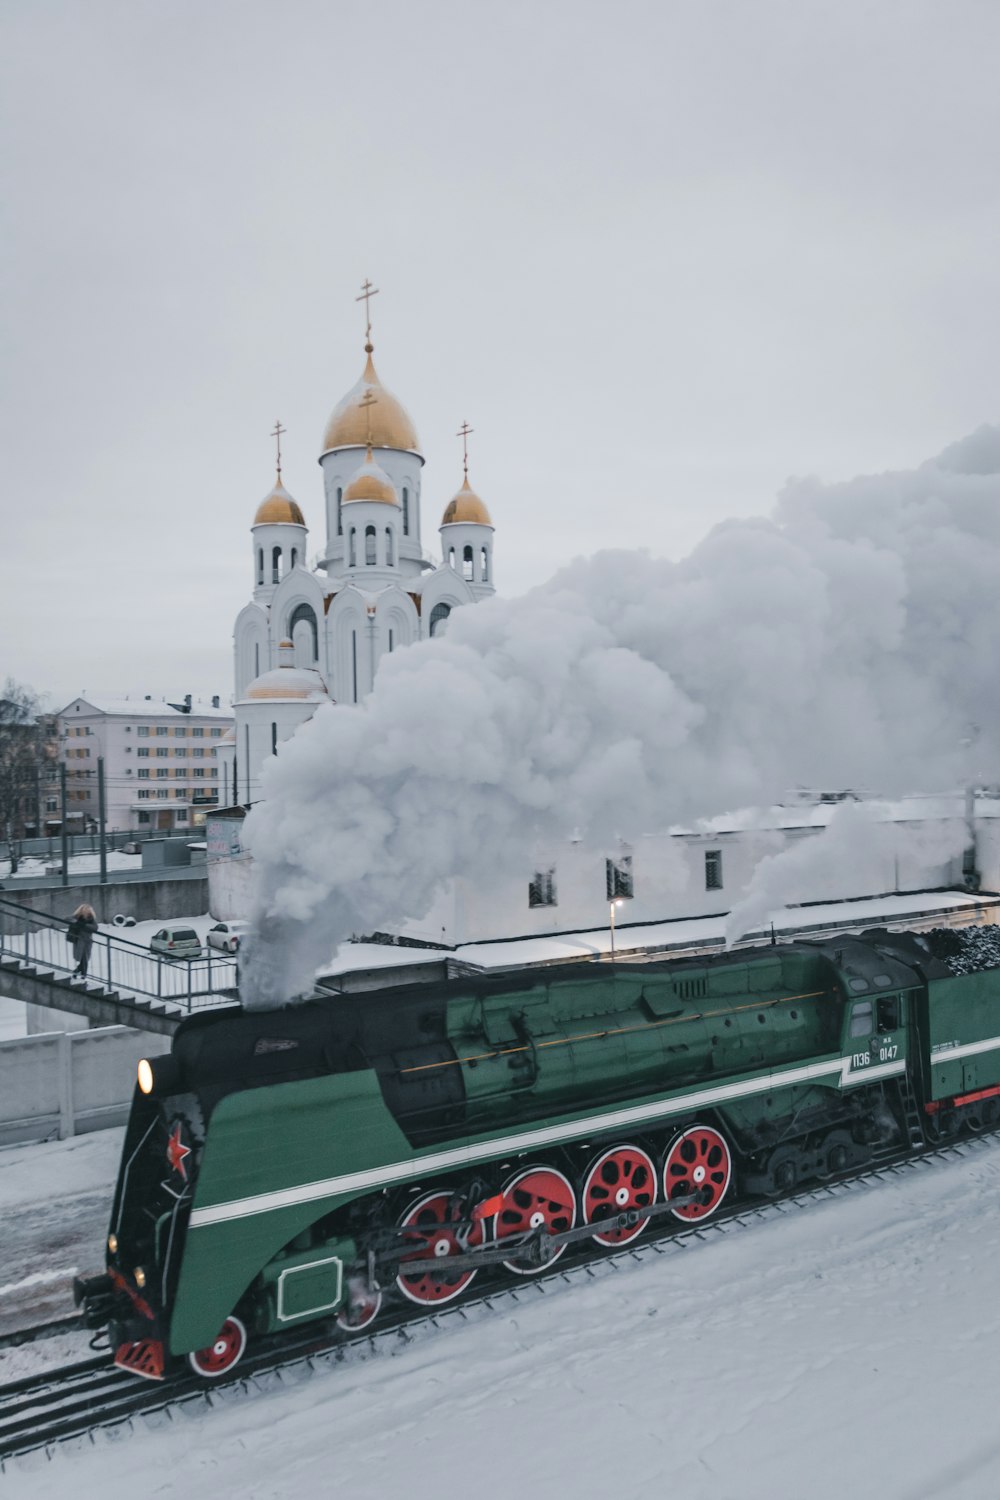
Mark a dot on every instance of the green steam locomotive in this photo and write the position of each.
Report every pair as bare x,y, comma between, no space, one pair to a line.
309,1163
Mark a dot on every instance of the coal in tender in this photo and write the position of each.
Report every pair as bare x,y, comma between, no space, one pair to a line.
965,950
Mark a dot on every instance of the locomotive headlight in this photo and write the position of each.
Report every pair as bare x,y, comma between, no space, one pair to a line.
112,1244
145,1075
140,1276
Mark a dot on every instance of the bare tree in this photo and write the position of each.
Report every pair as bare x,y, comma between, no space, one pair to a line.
22,753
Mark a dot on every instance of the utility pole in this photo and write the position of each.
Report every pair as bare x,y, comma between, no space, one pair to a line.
101,815
62,820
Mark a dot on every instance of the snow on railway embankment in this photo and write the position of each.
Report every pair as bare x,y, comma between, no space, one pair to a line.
844,1347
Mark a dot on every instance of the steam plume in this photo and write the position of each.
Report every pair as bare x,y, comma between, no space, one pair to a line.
848,640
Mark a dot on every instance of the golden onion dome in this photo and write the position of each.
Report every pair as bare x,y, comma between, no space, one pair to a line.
288,682
371,482
278,509
390,427
466,506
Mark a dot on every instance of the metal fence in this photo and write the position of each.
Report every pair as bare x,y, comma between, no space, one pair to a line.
115,963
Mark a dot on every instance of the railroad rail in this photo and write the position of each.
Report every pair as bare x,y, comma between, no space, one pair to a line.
43,1411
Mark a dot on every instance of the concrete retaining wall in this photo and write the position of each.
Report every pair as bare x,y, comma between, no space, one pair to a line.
145,900
66,1083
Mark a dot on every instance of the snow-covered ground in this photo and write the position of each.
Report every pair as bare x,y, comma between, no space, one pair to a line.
846,1347
77,864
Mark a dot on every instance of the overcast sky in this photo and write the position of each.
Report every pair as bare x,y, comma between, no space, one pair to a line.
660,256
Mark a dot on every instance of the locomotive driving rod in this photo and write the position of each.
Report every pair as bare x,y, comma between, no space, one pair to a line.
537,1245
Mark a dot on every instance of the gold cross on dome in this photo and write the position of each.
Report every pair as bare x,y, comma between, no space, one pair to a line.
367,293
463,432
368,400
276,432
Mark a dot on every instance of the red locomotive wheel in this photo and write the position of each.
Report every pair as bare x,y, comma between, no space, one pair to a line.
219,1357
361,1308
620,1179
535,1197
433,1238
698,1160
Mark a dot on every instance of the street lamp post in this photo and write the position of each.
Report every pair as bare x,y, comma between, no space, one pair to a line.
612,906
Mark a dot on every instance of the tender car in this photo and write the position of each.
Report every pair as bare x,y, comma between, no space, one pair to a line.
176,942
227,935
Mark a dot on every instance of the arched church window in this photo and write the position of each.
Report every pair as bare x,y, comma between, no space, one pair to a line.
451,557
260,565
256,659
484,564
369,546
352,551
406,511
303,630
276,565
274,738
294,558
439,614
340,514
467,564
388,547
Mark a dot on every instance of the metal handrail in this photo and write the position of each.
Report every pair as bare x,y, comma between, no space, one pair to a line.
116,963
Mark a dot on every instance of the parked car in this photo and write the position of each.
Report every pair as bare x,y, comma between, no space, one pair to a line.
227,935
176,942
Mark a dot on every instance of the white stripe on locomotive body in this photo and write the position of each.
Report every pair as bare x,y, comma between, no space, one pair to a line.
529,1140
945,1051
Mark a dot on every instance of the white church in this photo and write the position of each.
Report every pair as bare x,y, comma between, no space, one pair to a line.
315,632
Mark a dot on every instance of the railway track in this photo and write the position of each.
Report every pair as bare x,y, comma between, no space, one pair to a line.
78,1401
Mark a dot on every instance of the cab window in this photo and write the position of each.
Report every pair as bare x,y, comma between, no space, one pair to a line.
888,1013
861,1019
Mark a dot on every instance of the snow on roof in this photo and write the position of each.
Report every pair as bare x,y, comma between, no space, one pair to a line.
146,708
917,808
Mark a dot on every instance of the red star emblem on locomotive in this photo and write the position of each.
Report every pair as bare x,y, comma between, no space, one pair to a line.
177,1151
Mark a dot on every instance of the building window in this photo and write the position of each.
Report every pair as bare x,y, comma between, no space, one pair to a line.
389,560
162,754
260,565
542,888
619,883
294,558
142,750
180,754
143,774
352,551
406,511
354,659
301,614
484,564
143,729
143,817
274,745
215,733
213,772
340,519
179,773
369,546
182,815
451,557
199,734
144,795
179,732
390,640
439,614
161,729
276,565
162,774
713,869
163,795
198,771
467,564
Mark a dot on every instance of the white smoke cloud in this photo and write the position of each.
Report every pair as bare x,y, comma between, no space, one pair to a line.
861,848
849,640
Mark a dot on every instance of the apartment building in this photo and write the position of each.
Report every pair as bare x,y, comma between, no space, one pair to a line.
161,770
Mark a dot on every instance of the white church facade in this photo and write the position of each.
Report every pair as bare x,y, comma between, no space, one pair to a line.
316,632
